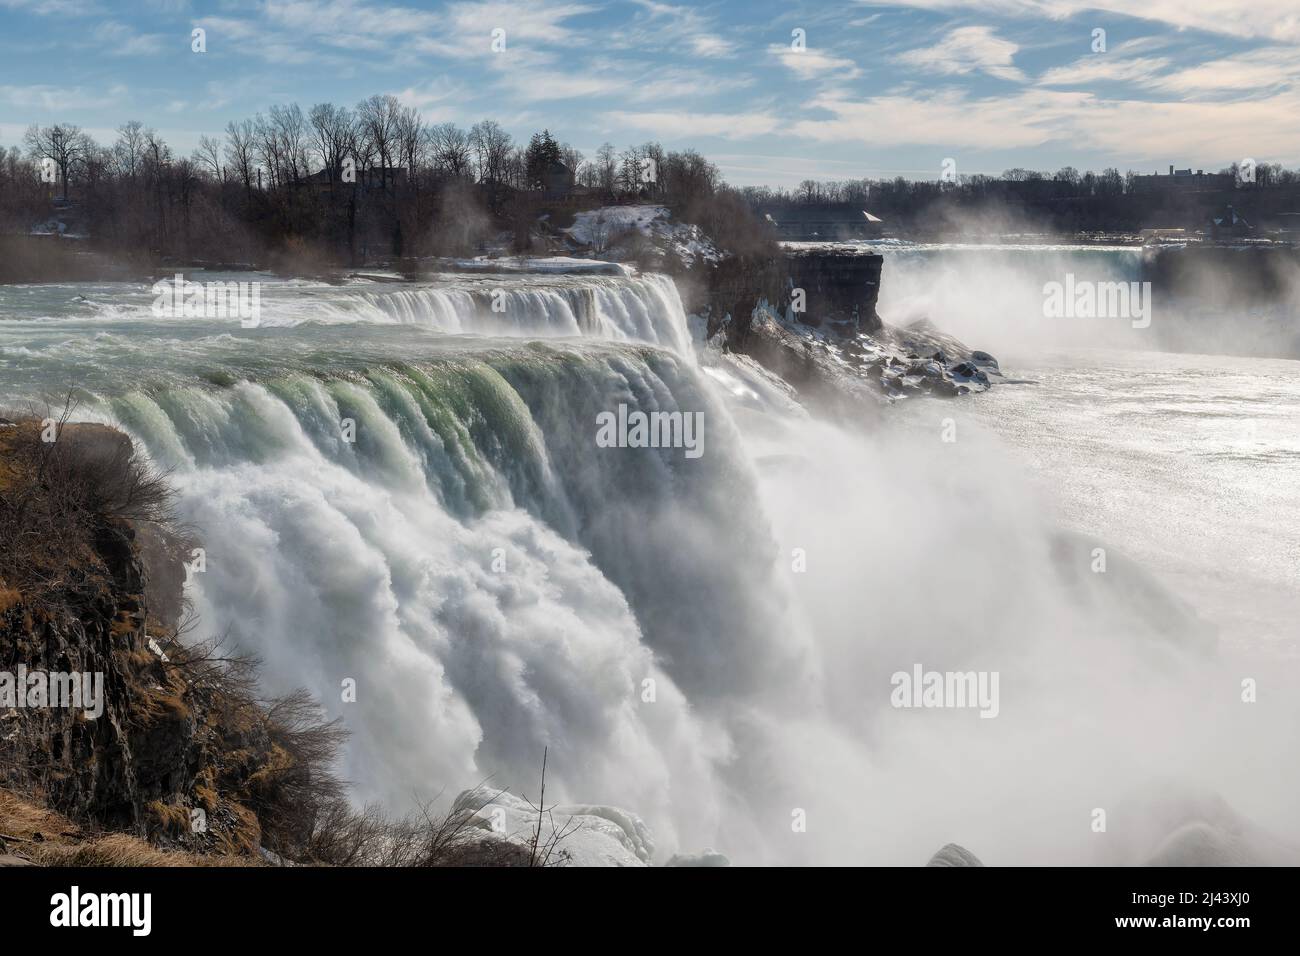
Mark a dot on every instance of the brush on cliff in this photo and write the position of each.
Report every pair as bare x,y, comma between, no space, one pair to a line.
185,763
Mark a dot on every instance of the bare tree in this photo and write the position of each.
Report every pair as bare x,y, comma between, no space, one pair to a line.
332,127
378,118
290,130
607,168
63,145
208,157
450,147
128,151
410,140
240,153
573,158
492,147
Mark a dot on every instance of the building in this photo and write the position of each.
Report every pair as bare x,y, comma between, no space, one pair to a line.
1228,223
1184,179
371,177
557,181
810,222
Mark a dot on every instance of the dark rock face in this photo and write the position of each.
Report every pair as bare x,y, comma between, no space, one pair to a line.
108,767
837,291
835,351
841,288
156,739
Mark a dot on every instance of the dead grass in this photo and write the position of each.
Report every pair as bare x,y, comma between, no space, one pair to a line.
64,484
46,838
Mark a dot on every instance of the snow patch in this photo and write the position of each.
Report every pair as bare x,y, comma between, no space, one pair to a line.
609,226
592,835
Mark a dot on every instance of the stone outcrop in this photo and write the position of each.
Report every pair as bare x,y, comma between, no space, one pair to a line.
164,737
809,316
840,287
831,289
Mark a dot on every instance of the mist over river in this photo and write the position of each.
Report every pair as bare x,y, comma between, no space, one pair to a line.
496,583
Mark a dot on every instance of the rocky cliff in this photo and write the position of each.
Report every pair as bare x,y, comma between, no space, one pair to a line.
832,289
105,718
809,316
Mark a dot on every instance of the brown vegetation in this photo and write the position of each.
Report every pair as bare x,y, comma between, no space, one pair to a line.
188,765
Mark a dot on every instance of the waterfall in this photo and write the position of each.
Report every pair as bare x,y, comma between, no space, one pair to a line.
493,581
391,499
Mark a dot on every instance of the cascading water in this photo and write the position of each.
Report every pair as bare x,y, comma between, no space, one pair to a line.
495,582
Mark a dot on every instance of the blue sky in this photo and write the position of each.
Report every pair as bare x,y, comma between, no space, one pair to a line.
880,89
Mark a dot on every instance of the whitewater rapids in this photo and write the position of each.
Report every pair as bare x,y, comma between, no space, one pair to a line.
707,642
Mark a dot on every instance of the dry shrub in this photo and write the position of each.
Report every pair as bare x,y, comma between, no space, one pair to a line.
46,838
60,496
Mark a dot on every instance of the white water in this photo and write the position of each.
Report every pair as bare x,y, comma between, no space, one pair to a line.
375,561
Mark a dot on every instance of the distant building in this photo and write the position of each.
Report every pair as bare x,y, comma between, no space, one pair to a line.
1228,223
369,178
810,222
557,181
1184,179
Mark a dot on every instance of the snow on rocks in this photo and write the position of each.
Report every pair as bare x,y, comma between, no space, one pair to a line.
589,835
610,229
558,265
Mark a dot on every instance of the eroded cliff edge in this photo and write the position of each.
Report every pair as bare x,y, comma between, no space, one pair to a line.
109,723
809,315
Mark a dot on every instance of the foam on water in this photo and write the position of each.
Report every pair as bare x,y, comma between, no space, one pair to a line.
496,583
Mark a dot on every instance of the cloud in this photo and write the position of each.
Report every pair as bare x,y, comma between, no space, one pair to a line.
1270,19
117,39
712,46
676,125
436,100
528,21
1105,68
616,79
967,50
55,99
811,64
1257,71
48,8
666,25
460,30
1127,129
947,119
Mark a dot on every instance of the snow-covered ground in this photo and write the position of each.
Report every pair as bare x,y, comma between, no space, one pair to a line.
580,835
609,226
556,264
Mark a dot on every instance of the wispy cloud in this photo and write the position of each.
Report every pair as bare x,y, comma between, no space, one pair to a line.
967,50
57,98
118,39
673,125
660,25
1106,68
813,64
1256,72
1271,19
950,121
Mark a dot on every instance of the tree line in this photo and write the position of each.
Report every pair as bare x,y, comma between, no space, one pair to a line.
339,183
1065,201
